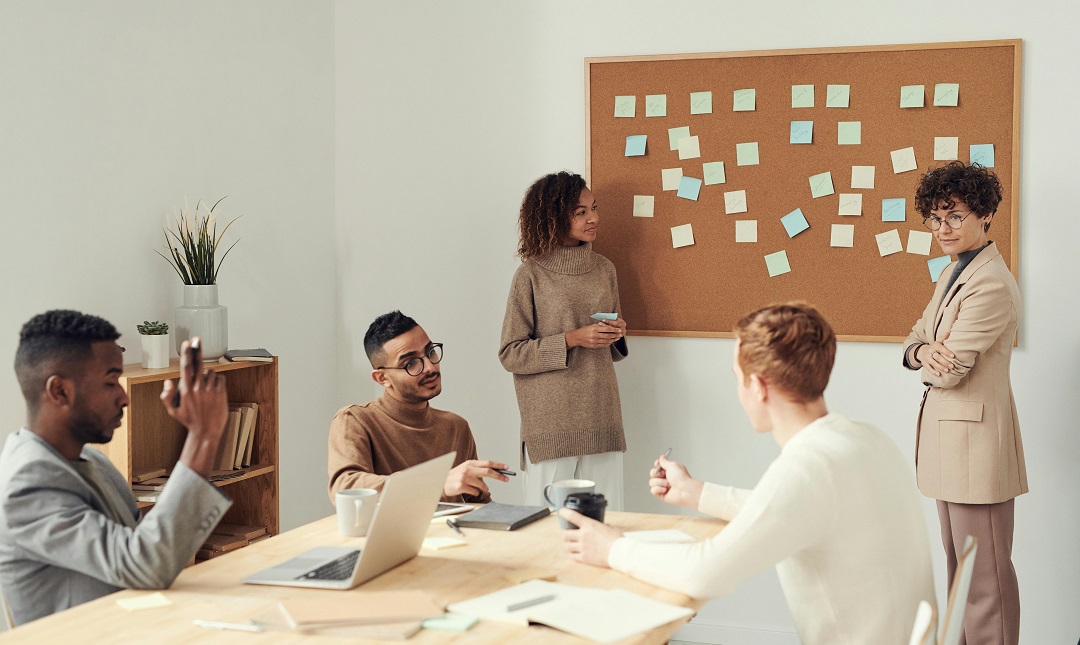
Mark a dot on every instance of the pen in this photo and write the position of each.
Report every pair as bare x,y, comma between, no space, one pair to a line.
509,473
667,453
240,627
455,527
529,603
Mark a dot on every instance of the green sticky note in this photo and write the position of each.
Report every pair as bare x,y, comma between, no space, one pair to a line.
714,172
625,106
802,96
849,133
777,263
912,96
821,185
746,154
744,100
674,134
655,105
946,94
837,96
700,102
450,623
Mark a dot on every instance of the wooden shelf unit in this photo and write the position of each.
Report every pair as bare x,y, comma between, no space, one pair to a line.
148,438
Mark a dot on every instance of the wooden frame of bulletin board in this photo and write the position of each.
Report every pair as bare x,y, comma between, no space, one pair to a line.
703,288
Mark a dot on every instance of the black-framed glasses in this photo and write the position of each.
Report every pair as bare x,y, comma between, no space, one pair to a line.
416,364
954,221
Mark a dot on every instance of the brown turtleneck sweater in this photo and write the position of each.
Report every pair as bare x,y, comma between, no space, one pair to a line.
372,441
568,399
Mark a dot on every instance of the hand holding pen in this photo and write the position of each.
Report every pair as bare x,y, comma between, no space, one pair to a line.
670,481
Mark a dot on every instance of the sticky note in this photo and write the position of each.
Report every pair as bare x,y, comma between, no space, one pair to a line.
439,543
912,96
746,230
843,235
689,148
936,266
983,154
888,242
849,133
946,94
744,100
700,102
802,132
850,204
746,154
837,96
682,236
450,623
946,148
918,242
674,134
671,177
777,263
802,96
735,202
643,205
655,105
862,176
145,601
625,106
714,172
635,145
903,160
689,188
794,222
821,185
894,209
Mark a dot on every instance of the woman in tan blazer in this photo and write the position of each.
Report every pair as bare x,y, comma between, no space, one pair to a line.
969,454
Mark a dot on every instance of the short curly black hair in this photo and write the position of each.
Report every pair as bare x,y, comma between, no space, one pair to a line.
384,328
974,185
56,341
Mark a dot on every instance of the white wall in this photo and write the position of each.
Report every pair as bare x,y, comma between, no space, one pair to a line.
111,112
447,111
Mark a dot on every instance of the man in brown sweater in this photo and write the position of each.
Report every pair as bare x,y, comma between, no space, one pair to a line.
400,429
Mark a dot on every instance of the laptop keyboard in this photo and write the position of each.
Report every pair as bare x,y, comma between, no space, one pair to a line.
339,569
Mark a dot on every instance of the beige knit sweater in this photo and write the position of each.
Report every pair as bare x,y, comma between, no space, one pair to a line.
568,399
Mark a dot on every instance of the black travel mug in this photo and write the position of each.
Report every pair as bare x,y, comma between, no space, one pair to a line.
588,504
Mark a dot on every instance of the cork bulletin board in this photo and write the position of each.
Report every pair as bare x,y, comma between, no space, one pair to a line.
814,115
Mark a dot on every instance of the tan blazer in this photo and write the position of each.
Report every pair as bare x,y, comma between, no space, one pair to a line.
968,448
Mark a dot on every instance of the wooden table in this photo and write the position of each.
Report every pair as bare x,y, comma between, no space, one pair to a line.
212,590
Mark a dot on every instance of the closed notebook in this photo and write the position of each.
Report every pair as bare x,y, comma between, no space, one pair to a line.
501,517
358,608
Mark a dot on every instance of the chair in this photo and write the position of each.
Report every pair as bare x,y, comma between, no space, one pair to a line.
925,625
953,624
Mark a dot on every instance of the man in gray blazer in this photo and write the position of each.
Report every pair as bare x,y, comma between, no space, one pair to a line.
70,530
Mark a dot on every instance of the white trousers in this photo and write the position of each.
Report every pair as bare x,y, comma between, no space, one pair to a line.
606,469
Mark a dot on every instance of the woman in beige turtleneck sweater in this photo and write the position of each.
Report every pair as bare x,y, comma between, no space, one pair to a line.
561,358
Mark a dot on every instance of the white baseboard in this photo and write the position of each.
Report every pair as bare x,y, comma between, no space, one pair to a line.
703,632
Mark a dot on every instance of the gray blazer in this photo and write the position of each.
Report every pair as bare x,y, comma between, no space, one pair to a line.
58,547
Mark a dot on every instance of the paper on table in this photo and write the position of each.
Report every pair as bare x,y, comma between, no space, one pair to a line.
843,235
665,535
438,543
850,204
946,94
700,102
889,242
912,96
674,134
689,148
918,242
689,188
655,105
714,172
635,145
777,263
937,265
746,154
735,202
145,601
746,230
608,615
643,205
744,100
670,178
450,623
862,177
625,106
982,154
802,96
903,160
894,209
801,132
849,133
946,148
682,236
794,222
821,185
837,96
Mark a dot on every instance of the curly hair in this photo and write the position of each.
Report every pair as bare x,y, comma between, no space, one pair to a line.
974,185
53,342
385,327
790,345
545,212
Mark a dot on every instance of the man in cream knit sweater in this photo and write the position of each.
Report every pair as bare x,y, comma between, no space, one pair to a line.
837,512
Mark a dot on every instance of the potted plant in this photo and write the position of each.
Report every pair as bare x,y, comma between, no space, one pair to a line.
155,343
192,251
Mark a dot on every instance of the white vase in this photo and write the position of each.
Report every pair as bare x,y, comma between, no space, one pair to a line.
155,351
202,316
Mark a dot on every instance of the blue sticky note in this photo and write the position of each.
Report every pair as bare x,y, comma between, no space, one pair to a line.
802,132
635,145
689,187
603,315
937,265
894,209
983,154
794,222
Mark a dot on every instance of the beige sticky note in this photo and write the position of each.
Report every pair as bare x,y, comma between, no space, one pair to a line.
744,100
437,543
735,201
903,160
518,576
671,177
643,205
682,236
843,235
862,177
746,230
689,148
850,204
918,242
946,148
889,242
145,601
714,172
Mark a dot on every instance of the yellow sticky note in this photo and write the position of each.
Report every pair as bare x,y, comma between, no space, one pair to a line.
843,235
689,148
862,177
946,148
146,601
903,160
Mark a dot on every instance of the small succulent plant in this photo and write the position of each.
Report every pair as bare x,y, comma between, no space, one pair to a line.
155,328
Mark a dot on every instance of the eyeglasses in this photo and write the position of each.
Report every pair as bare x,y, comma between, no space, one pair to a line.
954,221
416,364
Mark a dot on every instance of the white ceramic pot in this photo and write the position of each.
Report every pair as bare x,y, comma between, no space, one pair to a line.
202,316
155,351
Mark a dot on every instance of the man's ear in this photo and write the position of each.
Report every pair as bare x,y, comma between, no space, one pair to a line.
379,377
59,391
759,387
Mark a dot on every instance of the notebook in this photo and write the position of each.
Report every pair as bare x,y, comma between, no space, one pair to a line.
501,517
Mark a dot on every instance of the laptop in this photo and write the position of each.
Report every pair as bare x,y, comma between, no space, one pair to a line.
396,533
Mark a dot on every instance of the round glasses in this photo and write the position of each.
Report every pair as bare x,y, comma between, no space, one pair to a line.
416,364
954,221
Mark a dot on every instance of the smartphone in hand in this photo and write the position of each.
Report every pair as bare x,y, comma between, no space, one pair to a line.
195,358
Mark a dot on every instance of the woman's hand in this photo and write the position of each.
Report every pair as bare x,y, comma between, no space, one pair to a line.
597,335
936,356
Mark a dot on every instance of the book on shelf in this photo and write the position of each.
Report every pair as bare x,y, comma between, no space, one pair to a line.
227,448
501,517
148,474
224,543
251,434
147,496
248,414
258,355
246,531
156,484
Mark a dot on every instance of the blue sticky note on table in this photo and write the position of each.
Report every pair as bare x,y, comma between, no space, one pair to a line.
802,132
635,145
689,188
794,222
982,154
894,209
937,265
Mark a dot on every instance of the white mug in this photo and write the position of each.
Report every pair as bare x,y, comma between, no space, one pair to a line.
355,507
